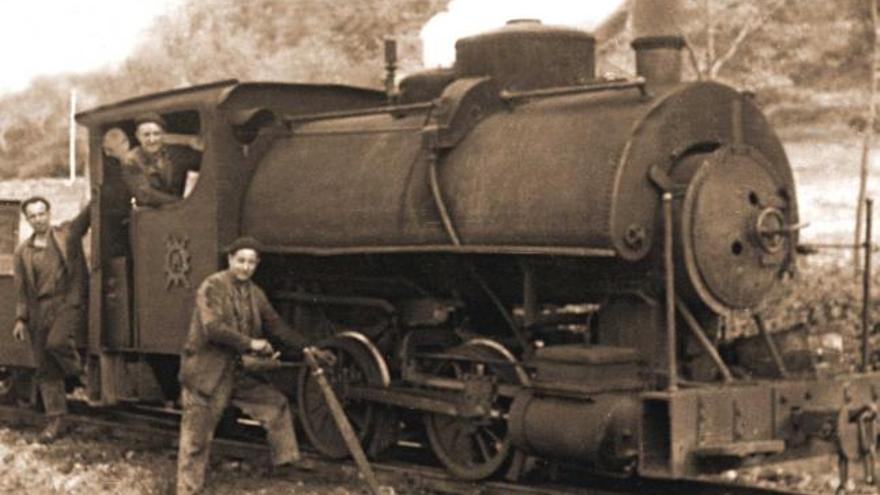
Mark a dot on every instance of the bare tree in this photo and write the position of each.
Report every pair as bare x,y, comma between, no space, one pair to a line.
714,54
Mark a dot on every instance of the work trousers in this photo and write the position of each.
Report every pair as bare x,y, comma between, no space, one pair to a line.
52,327
201,413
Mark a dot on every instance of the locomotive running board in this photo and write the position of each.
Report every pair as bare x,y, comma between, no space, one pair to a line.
740,449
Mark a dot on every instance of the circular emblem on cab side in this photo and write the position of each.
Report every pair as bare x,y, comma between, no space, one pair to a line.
177,259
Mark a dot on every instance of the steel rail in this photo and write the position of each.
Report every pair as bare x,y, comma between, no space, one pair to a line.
161,426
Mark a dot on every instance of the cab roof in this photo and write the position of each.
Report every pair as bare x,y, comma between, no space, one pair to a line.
215,94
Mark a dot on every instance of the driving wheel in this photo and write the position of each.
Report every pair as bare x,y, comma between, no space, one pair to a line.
475,447
373,423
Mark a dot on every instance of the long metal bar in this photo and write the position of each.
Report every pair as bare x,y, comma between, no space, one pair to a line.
866,286
771,345
413,376
358,113
445,248
420,378
836,245
638,83
407,400
698,332
345,429
669,268
439,202
349,132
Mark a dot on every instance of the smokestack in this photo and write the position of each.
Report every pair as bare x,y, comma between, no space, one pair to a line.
657,40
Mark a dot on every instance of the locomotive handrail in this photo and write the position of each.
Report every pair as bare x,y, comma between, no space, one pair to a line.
341,114
812,247
345,132
700,335
669,293
439,202
771,345
446,248
638,82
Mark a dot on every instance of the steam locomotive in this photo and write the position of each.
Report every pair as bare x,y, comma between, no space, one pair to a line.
513,259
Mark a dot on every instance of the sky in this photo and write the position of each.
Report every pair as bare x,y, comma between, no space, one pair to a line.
47,37
44,37
467,17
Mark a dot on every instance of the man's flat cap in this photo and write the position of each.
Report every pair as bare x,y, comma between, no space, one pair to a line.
149,117
246,242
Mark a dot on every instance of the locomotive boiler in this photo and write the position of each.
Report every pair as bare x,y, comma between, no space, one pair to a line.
515,188
513,259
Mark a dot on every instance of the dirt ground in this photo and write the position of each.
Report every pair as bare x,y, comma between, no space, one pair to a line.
96,461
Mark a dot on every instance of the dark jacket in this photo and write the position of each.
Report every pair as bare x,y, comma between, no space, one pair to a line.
67,237
215,341
160,179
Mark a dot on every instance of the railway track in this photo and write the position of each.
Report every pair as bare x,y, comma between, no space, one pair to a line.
160,425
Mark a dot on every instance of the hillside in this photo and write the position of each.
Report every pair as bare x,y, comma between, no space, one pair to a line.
209,40
807,61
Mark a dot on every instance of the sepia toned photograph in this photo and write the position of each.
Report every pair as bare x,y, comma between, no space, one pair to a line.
418,247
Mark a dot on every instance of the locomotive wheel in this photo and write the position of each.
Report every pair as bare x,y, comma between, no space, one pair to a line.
474,448
355,365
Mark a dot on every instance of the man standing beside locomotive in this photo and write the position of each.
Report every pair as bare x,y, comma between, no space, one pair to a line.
227,324
52,288
155,171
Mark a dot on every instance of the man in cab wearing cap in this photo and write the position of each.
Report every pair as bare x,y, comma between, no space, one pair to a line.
231,324
155,171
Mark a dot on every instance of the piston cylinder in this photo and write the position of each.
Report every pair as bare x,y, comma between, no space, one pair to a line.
600,431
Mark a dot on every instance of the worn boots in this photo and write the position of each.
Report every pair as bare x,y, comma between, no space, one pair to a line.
291,469
55,429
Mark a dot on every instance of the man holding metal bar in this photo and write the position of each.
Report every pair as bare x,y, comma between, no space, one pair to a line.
232,322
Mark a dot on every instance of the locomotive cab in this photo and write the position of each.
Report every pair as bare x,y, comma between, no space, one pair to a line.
147,262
